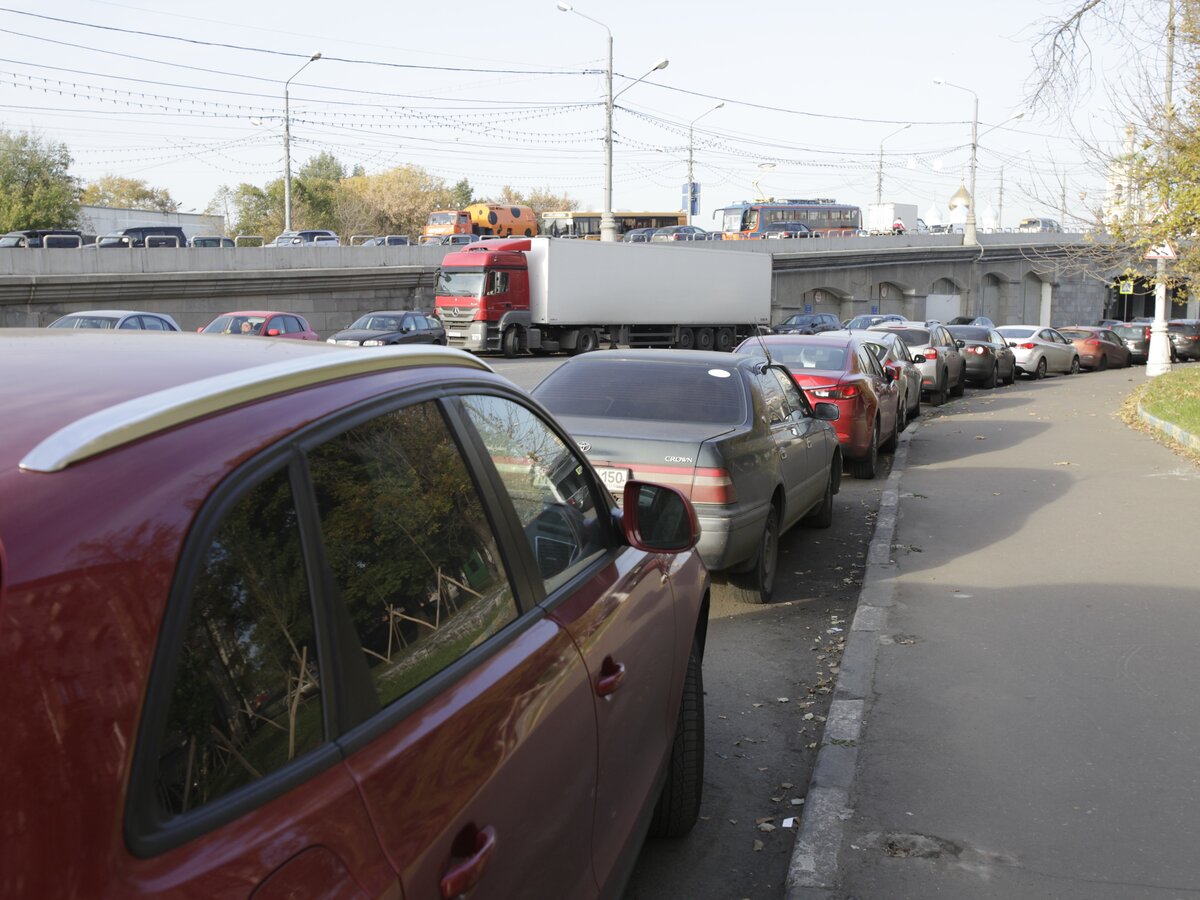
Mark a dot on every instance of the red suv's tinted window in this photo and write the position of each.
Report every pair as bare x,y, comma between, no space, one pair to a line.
246,697
411,550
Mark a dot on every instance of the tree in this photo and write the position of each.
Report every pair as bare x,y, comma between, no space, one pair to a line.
538,200
1152,195
462,195
128,193
36,190
314,192
401,199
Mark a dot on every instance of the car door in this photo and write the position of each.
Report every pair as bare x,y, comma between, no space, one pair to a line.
475,748
617,604
788,437
1058,350
1005,358
949,346
886,389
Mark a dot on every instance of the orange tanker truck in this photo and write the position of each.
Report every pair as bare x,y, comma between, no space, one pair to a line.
481,219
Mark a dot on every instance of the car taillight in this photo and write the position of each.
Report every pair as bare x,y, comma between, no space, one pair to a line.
929,353
838,392
712,486
1027,346
1092,342
978,350
1147,334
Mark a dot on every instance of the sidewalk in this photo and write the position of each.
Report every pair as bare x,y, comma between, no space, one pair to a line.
1018,711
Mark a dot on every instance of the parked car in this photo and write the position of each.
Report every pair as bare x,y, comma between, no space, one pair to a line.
638,235
1040,351
972,320
1184,335
263,323
335,629
144,236
787,230
990,361
389,240
936,353
839,368
894,354
1034,225
679,233
212,240
42,238
305,238
859,323
1098,348
807,323
732,432
1108,323
121,319
380,329
1136,338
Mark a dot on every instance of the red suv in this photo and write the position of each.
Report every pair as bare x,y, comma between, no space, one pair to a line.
286,619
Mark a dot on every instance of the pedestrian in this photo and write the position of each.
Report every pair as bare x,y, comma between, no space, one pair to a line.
898,226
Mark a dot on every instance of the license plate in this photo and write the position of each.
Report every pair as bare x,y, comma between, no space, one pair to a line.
454,334
614,479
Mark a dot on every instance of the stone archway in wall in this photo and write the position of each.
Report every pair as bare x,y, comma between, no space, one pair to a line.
892,297
824,300
1032,306
943,302
993,297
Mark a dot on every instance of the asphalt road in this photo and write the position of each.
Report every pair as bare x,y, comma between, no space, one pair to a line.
768,677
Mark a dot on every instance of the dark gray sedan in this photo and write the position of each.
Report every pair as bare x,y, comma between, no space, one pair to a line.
990,361
379,329
734,433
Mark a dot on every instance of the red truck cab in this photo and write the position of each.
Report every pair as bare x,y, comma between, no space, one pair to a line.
483,296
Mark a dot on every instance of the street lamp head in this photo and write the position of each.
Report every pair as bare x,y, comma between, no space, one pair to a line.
314,57
661,64
935,81
564,7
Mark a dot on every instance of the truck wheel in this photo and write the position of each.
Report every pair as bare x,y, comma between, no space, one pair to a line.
587,341
511,343
704,339
686,339
725,340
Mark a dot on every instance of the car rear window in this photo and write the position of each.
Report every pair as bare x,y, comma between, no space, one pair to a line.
1130,331
1017,332
1183,327
969,333
637,389
1074,333
914,337
799,356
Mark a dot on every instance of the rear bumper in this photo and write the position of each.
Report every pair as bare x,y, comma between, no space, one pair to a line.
729,538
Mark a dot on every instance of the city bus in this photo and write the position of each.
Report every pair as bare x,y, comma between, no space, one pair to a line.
587,224
747,220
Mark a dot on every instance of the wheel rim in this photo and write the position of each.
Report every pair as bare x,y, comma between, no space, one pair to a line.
1041,369
687,339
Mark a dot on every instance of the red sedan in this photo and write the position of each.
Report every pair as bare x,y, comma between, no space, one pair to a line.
841,369
263,323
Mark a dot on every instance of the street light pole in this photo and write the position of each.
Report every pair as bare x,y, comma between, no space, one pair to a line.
879,180
287,147
690,197
608,225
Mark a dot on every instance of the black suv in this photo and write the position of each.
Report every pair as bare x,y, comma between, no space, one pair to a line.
43,237
145,236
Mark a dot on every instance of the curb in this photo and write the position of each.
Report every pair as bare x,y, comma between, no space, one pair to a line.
1173,431
812,873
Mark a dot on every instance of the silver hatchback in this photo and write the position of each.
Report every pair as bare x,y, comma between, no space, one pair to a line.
937,354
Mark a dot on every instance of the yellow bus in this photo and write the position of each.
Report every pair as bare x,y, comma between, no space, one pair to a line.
586,225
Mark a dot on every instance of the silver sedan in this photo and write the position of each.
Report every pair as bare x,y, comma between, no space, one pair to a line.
1040,351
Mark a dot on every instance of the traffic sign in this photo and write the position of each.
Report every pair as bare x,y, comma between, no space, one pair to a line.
1126,287
1162,251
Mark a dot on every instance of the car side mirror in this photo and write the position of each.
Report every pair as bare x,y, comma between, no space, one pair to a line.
826,412
918,357
1012,343
657,519
200,330
890,375
272,332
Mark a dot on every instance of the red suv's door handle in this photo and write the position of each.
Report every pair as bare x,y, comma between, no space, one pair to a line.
461,878
611,676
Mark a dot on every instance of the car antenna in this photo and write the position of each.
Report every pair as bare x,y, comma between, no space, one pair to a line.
766,350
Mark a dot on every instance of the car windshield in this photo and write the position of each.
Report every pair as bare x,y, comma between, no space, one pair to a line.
616,389
1016,331
233,325
442,218
460,284
374,322
1130,331
12,240
85,322
801,320
1183,328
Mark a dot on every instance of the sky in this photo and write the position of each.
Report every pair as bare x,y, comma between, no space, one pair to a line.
190,97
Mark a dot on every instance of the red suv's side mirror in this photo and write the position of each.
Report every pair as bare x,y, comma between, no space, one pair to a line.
658,519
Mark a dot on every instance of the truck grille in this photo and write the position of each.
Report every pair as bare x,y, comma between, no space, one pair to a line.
456,315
